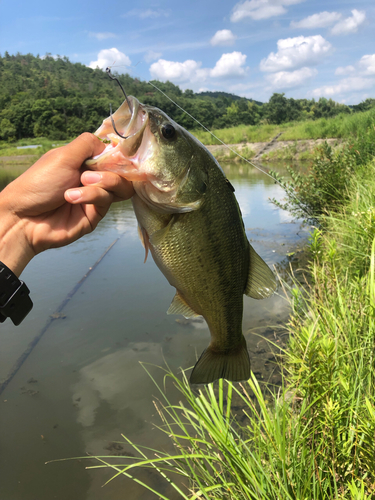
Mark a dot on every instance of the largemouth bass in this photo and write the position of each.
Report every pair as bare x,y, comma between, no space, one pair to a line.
190,221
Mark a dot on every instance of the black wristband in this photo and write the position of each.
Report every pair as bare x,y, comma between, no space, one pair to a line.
15,302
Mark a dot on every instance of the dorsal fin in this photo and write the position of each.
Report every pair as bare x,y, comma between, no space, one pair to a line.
261,282
179,306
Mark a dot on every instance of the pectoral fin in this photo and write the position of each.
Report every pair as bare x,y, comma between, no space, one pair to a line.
158,236
179,306
261,282
143,236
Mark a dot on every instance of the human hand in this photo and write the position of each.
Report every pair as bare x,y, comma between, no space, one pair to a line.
46,207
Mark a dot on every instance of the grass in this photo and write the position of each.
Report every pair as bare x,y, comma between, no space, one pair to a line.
342,126
314,439
239,134
10,149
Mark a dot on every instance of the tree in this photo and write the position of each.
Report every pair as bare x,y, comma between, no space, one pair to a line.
276,109
7,130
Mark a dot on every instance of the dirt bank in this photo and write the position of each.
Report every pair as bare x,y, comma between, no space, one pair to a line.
278,149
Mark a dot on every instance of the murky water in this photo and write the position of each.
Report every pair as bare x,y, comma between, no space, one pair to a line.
83,383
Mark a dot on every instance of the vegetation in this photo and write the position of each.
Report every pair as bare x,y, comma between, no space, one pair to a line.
324,187
342,126
313,437
43,145
54,98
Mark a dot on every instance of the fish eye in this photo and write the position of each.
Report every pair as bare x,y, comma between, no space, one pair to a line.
168,130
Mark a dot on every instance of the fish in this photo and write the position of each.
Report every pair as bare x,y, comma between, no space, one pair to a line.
190,222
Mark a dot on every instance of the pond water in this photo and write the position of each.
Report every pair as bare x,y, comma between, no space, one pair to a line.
83,384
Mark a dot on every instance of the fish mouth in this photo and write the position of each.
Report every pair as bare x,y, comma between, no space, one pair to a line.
122,152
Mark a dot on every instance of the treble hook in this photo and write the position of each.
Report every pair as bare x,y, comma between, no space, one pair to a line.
108,71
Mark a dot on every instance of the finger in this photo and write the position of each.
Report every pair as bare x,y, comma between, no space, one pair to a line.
94,214
83,147
90,195
121,188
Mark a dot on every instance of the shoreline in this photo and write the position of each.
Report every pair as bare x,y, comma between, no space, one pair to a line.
302,149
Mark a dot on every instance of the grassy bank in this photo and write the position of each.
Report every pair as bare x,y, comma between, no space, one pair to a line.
8,149
341,127
313,437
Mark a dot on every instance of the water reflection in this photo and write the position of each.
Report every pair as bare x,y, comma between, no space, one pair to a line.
84,384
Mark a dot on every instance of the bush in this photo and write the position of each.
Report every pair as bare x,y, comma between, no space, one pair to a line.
324,187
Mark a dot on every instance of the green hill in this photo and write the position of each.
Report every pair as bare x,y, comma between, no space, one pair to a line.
55,98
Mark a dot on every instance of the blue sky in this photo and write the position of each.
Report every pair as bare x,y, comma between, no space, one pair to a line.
252,48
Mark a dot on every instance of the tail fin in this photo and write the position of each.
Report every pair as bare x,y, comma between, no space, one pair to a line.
234,366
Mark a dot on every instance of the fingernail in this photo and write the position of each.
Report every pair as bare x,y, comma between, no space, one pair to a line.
92,177
74,194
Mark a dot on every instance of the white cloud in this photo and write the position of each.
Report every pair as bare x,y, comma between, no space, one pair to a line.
350,24
148,13
223,37
296,52
321,20
260,9
102,36
344,70
229,65
154,13
350,84
291,79
111,57
151,55
367,64
176,71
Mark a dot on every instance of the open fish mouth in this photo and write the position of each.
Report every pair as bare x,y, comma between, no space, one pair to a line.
122,153
136,151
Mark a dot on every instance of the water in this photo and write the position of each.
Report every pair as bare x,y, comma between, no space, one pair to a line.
83,384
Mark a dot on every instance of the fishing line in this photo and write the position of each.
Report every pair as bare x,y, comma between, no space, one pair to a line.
289,193
300,204
20,361
213,135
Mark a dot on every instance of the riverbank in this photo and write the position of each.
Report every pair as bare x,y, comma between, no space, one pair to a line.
301,150
26,151
290,141
277,150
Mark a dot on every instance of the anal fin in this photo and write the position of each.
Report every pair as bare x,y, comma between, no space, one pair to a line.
261,282
179,306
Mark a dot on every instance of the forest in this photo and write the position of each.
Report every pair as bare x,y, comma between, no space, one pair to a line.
55,98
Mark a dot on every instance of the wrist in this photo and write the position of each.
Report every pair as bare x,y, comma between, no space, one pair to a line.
15,251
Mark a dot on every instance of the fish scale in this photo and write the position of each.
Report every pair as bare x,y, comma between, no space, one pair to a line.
190,221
